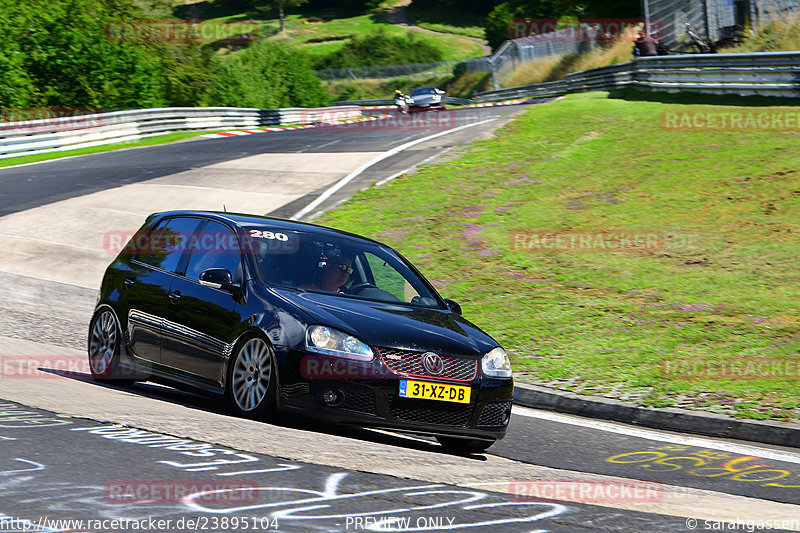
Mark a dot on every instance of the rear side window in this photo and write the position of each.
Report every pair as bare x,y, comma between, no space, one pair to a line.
167,243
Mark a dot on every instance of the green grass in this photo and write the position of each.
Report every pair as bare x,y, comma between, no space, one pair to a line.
150,141
321,38
720,286
445,21
777,36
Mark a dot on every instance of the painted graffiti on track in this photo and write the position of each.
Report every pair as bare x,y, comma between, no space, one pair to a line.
706,463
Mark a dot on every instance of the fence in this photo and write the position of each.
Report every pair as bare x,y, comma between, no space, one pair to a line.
509,56
69,133
393,71
713,19
765,74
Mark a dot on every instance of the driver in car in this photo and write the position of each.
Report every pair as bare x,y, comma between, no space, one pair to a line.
332,273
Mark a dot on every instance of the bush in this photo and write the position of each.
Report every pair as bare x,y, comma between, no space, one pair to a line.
378,48
265,75
56,54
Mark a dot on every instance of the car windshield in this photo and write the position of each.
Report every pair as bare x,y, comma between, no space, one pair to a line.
344,267
424,90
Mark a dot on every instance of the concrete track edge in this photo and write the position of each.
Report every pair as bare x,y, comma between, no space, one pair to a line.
709,424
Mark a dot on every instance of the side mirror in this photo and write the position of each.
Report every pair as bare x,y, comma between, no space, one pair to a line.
218,278
453,306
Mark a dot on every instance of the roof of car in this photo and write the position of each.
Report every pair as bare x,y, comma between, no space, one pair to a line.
244,219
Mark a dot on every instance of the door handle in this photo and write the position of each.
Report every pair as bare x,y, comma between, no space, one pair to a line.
174,296
130,282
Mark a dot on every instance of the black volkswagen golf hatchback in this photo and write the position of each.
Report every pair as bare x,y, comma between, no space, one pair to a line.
282,315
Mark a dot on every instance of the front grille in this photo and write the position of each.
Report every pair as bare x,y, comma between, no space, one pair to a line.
405,362
494,414
430,412
359,401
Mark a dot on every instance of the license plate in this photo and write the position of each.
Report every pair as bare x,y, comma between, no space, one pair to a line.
434,391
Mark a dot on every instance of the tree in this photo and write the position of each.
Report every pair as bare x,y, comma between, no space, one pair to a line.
265,75
497,21
379,48
279,5
57,54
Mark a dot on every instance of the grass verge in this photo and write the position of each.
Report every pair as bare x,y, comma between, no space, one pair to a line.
713,292
557,67
150,141
777,36
321,37
442,20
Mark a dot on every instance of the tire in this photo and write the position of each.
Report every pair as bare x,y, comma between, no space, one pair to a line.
252,378
104,349
465,446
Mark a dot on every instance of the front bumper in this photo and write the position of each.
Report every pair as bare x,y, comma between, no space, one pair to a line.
376,403
437,105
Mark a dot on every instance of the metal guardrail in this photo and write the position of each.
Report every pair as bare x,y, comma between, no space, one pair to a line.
603,78
550,88
83,131
763,73
451,100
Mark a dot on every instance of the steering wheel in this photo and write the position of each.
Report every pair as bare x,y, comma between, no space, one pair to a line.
355,289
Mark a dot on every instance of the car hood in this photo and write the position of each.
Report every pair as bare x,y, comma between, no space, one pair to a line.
382,324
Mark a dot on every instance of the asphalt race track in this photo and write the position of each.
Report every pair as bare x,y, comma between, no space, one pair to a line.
81,456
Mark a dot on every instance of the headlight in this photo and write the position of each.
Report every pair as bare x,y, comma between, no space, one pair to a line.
329,341
495,364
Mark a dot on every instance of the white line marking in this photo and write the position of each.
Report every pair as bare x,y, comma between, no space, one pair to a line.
281,468
146,184
309,147
120,211
654,434
36,467
347,179
43,241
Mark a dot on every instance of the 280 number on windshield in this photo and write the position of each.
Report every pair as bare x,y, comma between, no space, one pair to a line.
260,234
